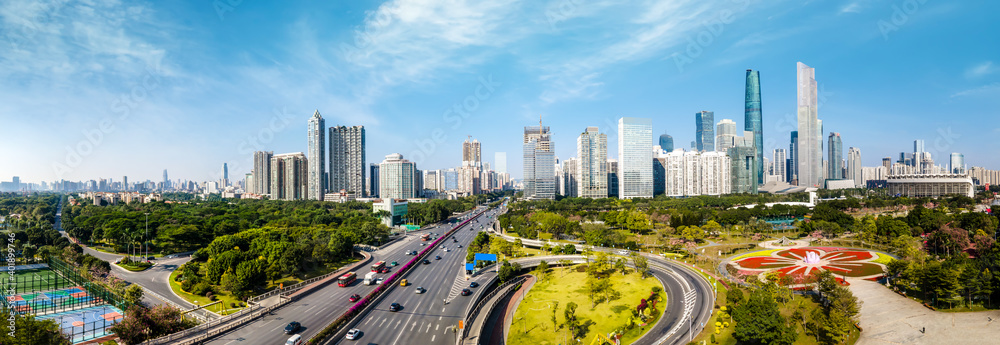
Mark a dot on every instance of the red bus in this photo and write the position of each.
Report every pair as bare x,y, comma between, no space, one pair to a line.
378,266
346,279
425,237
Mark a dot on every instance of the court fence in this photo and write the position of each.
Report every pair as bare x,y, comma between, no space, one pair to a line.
95,290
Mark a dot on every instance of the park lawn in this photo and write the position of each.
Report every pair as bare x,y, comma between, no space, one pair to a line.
135,268
224,296
756,254
533,319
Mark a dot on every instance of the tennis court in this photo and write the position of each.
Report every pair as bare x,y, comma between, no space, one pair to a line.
39,303
38,279
85,324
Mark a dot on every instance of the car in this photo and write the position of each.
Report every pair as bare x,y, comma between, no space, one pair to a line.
437,257
353,334
150,258
423,244
294,340
446,250
292,327
623,252
420,290
460,246
426,262
404,282
393,264
354,298
473,284
395,307
466,292
380,281
384,270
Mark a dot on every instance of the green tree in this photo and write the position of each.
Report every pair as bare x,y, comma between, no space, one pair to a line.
133,294
758,321
31,331
641,264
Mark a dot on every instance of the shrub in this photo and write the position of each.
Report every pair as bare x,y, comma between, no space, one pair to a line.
200,288
233,304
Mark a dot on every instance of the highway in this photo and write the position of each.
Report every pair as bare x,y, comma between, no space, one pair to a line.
318,308
425,318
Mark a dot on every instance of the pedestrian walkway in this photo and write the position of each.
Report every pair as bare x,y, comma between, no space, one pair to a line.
888,318
486,322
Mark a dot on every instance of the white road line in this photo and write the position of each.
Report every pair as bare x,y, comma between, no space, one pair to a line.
437,327
383,323
432,337
428,328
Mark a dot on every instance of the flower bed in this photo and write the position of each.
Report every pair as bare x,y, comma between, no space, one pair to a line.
791,262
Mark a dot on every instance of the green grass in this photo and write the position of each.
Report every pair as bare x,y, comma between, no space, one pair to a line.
882,258
142,266
224,296
767,252
533,318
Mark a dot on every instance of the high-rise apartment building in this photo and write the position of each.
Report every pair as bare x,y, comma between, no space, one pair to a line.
262,172
809,154
470,176
854,167
347,159
289,176
316,142
431,179
696,173
957,164
539,163
571,172
635,140
592,150
780,165
835,157
753,118
704,136
666,142
725,135
397,177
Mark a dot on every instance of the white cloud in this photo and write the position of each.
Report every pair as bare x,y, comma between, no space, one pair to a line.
854,7
989,89
980,70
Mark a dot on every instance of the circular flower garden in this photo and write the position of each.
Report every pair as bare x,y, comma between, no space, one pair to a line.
799,264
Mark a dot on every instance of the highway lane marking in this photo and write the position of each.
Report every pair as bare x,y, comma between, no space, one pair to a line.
428,328
413,325
437,327
383,322
432,337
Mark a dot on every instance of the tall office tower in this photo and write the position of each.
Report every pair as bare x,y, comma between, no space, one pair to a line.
372,181
715,170
248,183
592,150
347,159
571,173
539,163
166,181
887,163
125,183
316,142
471,173
957,165
224,182
635,138
659,172
262,172
500,159
835,157
396,178
704,136
743,157
780,165
918,146
810,150
289,176
854,166
612,177
725,134
666,142
753,118
792,169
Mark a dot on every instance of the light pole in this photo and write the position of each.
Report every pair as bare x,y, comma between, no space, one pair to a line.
147,236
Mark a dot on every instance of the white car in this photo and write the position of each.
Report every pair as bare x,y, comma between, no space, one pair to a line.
624,252
353,334
420,290
380,281
447,250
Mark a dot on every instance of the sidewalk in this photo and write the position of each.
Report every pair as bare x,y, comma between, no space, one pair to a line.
485,320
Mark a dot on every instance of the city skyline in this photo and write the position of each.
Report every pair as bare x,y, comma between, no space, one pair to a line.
258,87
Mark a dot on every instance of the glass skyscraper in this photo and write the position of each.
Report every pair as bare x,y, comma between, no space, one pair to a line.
753,118
666,142
635,142
539,163
316,137
809,156
835,156
725,134
704,136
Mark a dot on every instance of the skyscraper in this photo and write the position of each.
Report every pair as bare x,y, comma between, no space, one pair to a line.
854,166
592,150
372,180
612,177
539,163
316,142
743,157
225,175
780,165
792,169
500,159
725,134
289,176
810,149
704,136
666,142
835,155
166,181
262,172
753,119
397,177
957,163
635,142
471,174
571,173
347,159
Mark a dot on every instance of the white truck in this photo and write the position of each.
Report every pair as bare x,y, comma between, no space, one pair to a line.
370,278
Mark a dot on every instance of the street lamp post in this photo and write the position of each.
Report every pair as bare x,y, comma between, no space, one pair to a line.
147,236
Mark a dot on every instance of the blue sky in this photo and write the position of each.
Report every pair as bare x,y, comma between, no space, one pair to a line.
110,88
